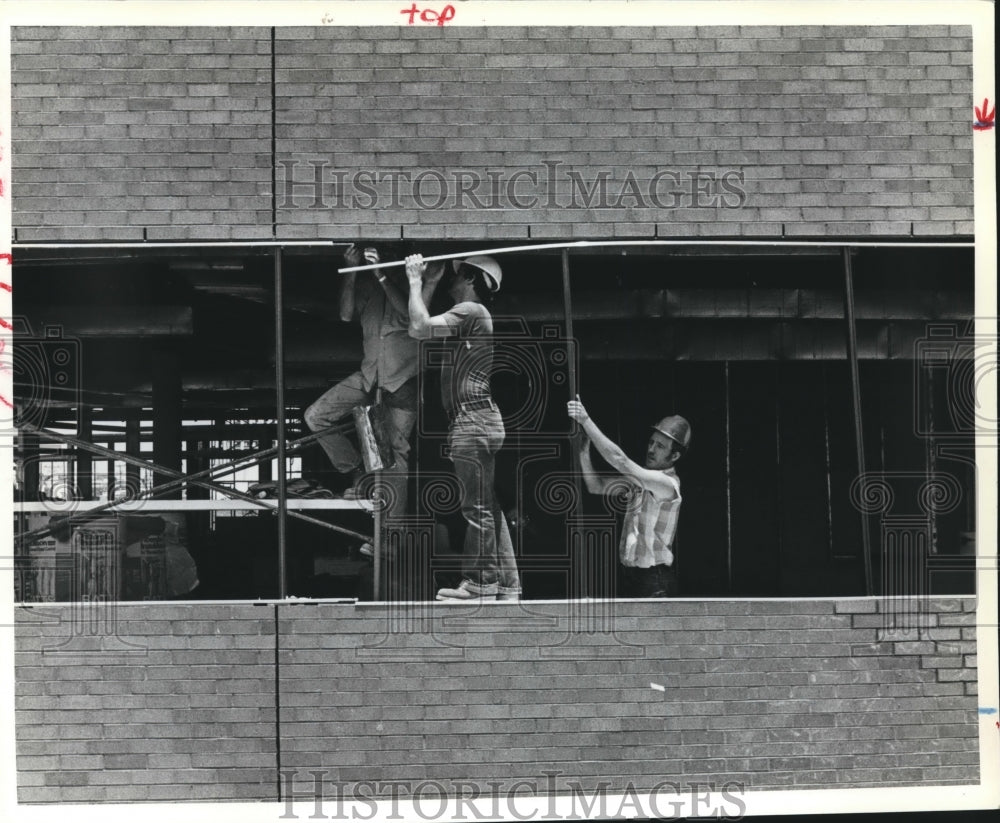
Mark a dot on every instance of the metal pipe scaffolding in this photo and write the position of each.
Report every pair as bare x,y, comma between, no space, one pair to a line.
178,480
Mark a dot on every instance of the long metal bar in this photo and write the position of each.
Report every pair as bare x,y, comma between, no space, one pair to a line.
279,379
729,482
182,479
571,342
852,358
568,314
184,244
236,244
582,244
377,593
84,461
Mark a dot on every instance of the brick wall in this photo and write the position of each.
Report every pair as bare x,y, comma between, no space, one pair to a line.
771,694
145,703
831,131
132,133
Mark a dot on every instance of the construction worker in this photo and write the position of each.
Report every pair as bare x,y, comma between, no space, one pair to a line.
378,301
645,551
476,429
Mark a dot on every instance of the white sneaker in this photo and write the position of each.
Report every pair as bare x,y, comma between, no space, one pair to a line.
465,592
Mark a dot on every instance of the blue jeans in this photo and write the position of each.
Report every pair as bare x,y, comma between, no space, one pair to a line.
488,562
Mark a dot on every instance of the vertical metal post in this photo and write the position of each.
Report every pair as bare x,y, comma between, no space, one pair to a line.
133,446
852,359
279,372
568,312
570,347
167,414
30,455
930,450
729,483
579,588
377,592
111,492
84,461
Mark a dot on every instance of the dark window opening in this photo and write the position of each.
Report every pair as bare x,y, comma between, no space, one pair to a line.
170,357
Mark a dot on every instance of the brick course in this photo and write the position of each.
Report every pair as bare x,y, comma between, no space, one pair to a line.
789,106
180,703
154,704
140,109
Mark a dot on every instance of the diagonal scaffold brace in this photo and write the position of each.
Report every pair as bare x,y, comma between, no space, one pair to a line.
180,480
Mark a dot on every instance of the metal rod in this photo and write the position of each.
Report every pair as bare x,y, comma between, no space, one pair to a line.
568,314
279,379
729,483
133,446
31,452
184,244
852,357
377,553
84,461
237,244
571,344
180,479
580,244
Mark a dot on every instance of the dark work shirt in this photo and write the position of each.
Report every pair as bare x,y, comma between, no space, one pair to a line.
468,354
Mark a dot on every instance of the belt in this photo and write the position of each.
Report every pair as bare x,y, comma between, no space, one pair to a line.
471,405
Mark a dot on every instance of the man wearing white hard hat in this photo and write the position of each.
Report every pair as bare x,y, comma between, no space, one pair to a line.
476,430
645,551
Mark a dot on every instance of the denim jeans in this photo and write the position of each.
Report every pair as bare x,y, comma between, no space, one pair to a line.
488,562
401,414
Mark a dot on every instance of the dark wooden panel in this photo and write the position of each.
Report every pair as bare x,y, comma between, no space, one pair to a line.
754,479
846,535
701,544
803,470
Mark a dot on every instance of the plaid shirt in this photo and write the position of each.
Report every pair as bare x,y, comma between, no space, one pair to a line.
649,527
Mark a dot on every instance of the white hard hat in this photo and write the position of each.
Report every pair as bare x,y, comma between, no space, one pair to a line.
487,265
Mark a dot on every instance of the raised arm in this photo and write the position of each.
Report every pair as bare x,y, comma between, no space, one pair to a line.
654,481
421,323
395,297
595,483
432,276
352,257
